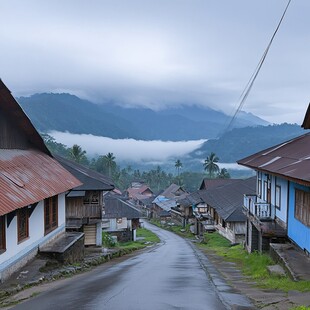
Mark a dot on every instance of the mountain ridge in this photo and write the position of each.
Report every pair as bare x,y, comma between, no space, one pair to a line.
66,112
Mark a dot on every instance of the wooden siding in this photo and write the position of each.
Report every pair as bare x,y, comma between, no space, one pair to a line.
10,136
76,209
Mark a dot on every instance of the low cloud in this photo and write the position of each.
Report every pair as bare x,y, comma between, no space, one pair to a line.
128,149
160,53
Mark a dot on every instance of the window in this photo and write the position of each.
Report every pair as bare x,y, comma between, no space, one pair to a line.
50,214
22,224
278,197
302,207
259,189
2,234
265,191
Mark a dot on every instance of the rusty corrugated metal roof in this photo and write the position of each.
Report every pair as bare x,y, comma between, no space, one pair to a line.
29,176
290,159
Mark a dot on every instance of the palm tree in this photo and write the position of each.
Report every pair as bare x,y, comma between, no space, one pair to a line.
210,165
110,162
224,174
178,165
77,154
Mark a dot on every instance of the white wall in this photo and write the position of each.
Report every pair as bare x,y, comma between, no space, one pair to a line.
123,224
19,251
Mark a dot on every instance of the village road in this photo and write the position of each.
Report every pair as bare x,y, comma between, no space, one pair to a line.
166,277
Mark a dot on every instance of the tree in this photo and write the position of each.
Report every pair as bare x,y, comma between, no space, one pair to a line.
210,165
77,154
224,174
55,147
110,163
178,165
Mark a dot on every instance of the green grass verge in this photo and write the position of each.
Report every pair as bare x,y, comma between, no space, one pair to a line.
253,265
178,229
145,238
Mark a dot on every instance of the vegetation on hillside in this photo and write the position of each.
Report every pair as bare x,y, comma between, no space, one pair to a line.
241,142
157,178
184,122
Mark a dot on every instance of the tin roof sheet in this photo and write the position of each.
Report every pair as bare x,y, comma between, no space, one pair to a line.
29,176
90,179
115,208
228,199
290,159
135,192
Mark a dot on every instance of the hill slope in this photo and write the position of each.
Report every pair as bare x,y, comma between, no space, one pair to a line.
242,142
64,112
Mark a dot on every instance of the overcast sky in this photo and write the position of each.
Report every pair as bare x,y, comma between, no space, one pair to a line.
160,52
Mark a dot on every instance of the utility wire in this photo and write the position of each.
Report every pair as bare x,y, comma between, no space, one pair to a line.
252,79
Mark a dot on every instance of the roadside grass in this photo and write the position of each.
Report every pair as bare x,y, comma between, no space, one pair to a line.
253,265
300,308
144,238
178,229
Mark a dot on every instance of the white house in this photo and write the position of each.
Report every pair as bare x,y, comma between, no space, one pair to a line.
32,188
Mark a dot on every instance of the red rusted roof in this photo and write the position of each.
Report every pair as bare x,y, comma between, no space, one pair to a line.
133,192
29,176
290,159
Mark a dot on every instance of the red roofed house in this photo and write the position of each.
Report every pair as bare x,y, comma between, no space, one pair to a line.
141,195
32,188
139,192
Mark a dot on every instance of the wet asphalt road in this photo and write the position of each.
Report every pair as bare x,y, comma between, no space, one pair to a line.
166,277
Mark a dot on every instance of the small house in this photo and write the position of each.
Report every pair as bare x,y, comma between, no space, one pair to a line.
84,204
121,218
33,186
225,203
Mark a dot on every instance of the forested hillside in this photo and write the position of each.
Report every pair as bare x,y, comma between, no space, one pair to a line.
64,112
241,142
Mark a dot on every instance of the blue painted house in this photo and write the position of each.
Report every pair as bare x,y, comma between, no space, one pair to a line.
280,209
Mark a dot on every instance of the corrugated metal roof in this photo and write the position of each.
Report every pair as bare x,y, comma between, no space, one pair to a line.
136,192
91,179
167,204
76,194
211,183
29,176
290,159
173,191
115,208
227,199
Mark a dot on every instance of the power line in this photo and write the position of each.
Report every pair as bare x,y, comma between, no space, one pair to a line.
252,79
